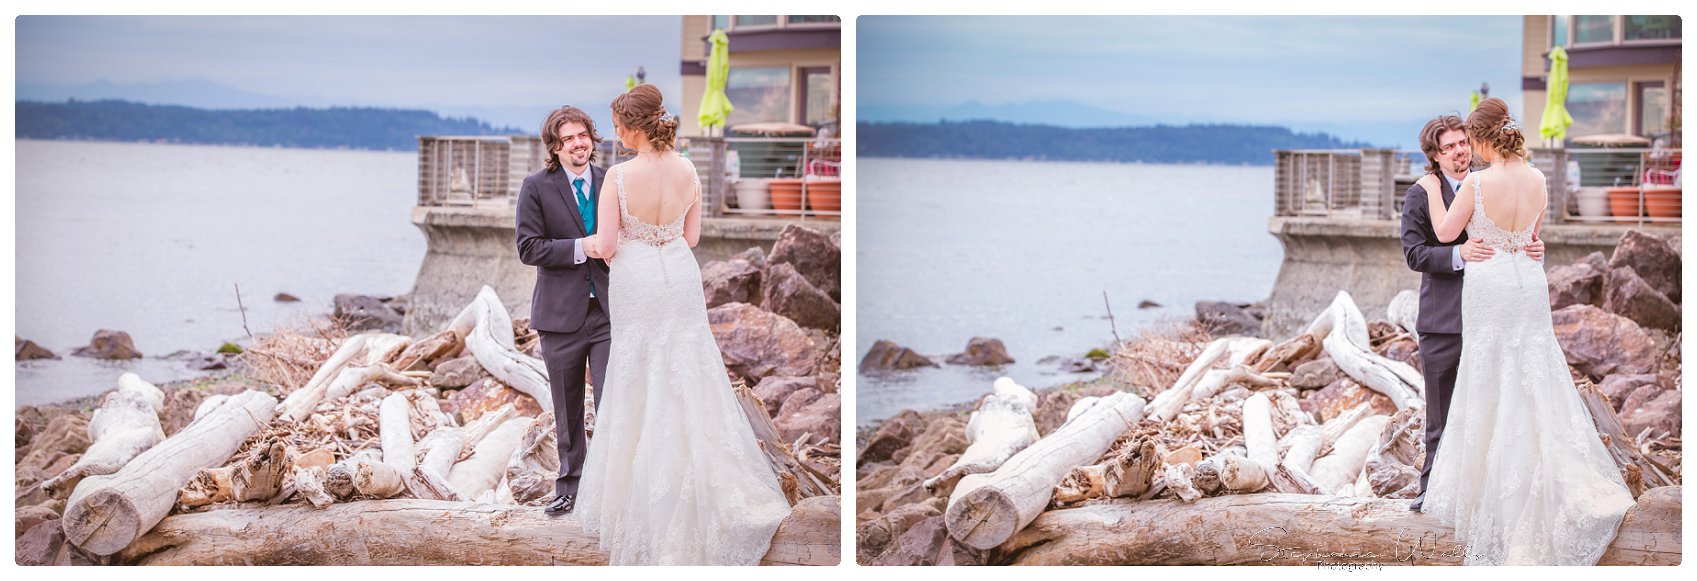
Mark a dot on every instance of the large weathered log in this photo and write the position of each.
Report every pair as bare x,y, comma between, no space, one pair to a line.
488,463
107,512
1345,339
1292,529
1642,470
1343,466
1234,351
395,431
986,509
428,532
300,402
1291,475
797,480
1404,310
126,425
1000,427
1393,466
488,332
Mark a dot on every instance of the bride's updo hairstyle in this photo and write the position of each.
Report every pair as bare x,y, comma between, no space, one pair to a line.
641,109
1490,124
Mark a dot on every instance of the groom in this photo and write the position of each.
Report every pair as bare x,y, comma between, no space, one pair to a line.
1448,154
556,222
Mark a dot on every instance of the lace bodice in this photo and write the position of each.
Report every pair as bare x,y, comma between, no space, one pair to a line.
1482,228
632,228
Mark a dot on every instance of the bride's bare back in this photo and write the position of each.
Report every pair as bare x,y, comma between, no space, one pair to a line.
1514,194
659,188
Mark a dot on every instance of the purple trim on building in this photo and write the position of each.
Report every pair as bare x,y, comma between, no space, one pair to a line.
788,39
1620,55
688,68
1533,84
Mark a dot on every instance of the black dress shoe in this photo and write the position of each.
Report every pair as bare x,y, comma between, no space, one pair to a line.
562,504
1417,504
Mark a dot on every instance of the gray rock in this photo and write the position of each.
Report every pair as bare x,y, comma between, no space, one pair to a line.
286,298
457,372
1659,414
1315,374
367,313
1228,319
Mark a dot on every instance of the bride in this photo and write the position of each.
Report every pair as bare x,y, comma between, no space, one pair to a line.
1521,473
674,475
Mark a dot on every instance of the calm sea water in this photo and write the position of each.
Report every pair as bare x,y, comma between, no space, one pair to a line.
1022,251
153,239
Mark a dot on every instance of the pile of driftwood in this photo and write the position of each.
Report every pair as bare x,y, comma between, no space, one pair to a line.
360,465
1170,480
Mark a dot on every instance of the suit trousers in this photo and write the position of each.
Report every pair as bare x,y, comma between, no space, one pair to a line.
1440,355
567,355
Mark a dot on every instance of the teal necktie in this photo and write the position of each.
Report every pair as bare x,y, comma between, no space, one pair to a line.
588,218
583,207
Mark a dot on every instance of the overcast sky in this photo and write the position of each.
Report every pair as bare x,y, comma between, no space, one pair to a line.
507,70
1366,75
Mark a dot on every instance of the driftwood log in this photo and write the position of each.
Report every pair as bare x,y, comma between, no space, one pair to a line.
427,532
488,332
796,478
300,402
1641,469
1201,375
106,513
1344,333
987,509
126,425
1001,427
1291,529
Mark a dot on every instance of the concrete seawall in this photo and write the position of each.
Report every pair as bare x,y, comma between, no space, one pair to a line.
1364,257
469,247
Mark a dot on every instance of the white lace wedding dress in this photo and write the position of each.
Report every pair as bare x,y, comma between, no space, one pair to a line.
673,474
1520,473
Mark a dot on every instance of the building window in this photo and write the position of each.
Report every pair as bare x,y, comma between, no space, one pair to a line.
817,20
1652,27
758,94
816,103
721,22
1593,29
1652,109
1597,108
751,21
1558,31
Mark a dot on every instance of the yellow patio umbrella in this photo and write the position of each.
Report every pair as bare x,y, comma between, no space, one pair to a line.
630,82
715,107
1473,103
1556,120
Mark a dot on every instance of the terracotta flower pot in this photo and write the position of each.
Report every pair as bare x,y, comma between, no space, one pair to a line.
786,195
825,195
1661,202
1623,203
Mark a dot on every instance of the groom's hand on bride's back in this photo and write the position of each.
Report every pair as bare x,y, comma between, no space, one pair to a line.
1535,250
1475,251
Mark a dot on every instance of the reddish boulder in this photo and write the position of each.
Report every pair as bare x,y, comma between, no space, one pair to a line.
1343,395
1575,284
731,281
1619,386
773,390
27,350
822,417
109,345
886,355
813,254
487,395
1628,295
1652,258
756,343
982,351
1600,344
893,434
786,292
1659,414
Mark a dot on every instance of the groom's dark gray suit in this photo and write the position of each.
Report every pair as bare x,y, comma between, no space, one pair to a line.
572,323
1439,323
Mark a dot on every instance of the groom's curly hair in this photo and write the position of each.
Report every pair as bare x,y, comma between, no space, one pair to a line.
1429,138
551,133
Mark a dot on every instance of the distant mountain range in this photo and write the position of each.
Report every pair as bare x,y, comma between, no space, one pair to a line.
1058,113
334,127
1218,144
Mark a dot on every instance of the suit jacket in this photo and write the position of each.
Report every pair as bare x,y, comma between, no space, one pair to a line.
548,226
1440,282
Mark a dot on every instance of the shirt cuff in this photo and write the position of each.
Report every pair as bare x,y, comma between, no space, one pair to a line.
579,258
1455,258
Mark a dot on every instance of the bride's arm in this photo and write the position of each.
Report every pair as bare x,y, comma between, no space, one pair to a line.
607,219
692,219
1448,223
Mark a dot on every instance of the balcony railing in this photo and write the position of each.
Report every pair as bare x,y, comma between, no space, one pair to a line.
751,176
1615,185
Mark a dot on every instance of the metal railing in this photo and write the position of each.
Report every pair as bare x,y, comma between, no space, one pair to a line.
753,176
1615,185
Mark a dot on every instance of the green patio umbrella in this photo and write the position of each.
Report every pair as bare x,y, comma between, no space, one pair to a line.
1556,120
1473,102
630,82
715,107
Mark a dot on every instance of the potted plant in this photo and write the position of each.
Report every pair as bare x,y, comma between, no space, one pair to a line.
824,194
786,195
